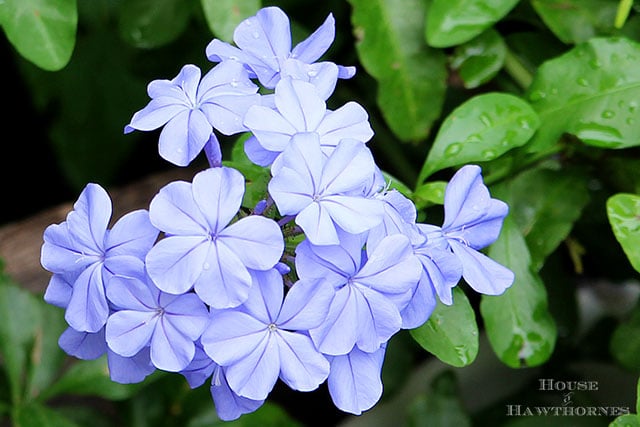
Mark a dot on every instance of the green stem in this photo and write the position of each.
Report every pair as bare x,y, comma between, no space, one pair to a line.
624,7
517,70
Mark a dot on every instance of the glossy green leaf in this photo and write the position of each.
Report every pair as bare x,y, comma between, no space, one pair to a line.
411,76
545,203
481,129
223,16
518,323
627,420
453,22
441,406
42,31
480,59
152,23
592,92
625,342
429,193
451,333
575,21
623,211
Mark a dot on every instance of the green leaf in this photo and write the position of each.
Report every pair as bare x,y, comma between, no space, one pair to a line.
592,92
429,193
411,76
223,16
42,31
625,342
37,415
256,177
152,23
480,59
453,22
20,318
576,21
627,420
440,407
545,204
91,378
481,129
518,323
623,211
451,333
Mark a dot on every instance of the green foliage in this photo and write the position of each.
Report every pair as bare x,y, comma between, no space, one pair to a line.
543,94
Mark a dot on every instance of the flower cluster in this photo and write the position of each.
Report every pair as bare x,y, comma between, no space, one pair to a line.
306,287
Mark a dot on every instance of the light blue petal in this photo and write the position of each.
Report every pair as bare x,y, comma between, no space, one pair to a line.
355,382
339,333
88,309
353,214
466,198
199,369
300,103
226,78
349,121
89,219
59,290
306,305
257,241
186,313
130,370
170,350
317,224
270,128
158,112
482,273
83,345
302,367
291,191
231,336
266,35
129,331
257,154
130,293
230,406
133,234
314,46
265,296
183,137
378,319
255,375
333,264
226,112
59,253
175,263
174,211
422,303
218,193
348,168
188,79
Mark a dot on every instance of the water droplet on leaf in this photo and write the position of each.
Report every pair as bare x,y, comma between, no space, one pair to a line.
453,149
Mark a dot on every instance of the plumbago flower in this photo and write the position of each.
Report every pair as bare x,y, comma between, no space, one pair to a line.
306,287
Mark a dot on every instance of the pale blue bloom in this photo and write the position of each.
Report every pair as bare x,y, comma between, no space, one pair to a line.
265,339
202,248
355,380
145,316
84,250
371,289
325,194
264,47
300,109
189,109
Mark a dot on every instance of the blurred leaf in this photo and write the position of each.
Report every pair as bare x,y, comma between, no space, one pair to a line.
545,204
268,415
518,323
428,193
223,16
152,23
410,75
575,21
37,415
20,318
42,31
480,59
625,342
91,378
453,22
481,129
627,420
592,92
623,211
441,407
451,333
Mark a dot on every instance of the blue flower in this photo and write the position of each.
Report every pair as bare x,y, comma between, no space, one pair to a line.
145,316
355,382
84,250
266,338
300,109
325,194
201,249
472,221
189,109
264,47
371,289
